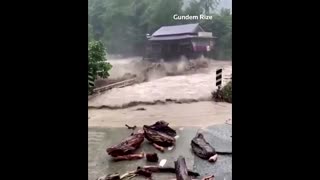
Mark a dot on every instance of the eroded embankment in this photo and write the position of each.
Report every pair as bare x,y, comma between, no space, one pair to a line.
156,102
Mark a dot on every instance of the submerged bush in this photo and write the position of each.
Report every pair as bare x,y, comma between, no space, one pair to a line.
224,94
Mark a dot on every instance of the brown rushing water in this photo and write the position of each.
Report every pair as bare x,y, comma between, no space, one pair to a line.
200,114
196,86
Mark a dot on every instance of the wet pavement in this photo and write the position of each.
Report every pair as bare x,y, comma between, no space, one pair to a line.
99,163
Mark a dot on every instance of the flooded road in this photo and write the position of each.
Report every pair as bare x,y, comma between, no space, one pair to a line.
100,164
151,101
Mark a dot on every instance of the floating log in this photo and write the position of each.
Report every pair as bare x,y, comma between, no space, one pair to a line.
128,145
181,169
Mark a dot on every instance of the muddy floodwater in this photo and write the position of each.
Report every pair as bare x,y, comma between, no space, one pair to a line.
198,114
197,86
180,100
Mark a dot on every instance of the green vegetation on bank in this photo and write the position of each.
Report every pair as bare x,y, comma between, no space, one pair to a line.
224,94
97,62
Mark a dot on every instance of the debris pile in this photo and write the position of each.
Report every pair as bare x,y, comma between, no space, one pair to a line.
128,145
160,135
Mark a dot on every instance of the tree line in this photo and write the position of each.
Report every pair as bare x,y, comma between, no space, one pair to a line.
122,25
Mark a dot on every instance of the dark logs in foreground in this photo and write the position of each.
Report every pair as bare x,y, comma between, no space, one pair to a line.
128,145
152,157
160,133
202,148
181,169
167,170
129,157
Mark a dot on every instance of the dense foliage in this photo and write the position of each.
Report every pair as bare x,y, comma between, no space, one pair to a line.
224,94
122,25
97,62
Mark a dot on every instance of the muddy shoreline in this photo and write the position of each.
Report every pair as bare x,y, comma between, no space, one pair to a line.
196,114
157,102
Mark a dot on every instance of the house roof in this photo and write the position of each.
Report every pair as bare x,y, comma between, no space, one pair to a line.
175,37
178,29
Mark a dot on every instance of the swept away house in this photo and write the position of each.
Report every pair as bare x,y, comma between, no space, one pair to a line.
170,42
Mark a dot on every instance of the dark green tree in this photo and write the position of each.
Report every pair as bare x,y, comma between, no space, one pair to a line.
97,62
209,5
221,26
122,25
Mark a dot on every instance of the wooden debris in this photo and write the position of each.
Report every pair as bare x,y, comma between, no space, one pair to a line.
129,157
152,157
201,147
160,148
163,126
168,170
147,171
143,172
204,150
208,178
131,127
181,169
128,145
115,176
160,133
158,138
